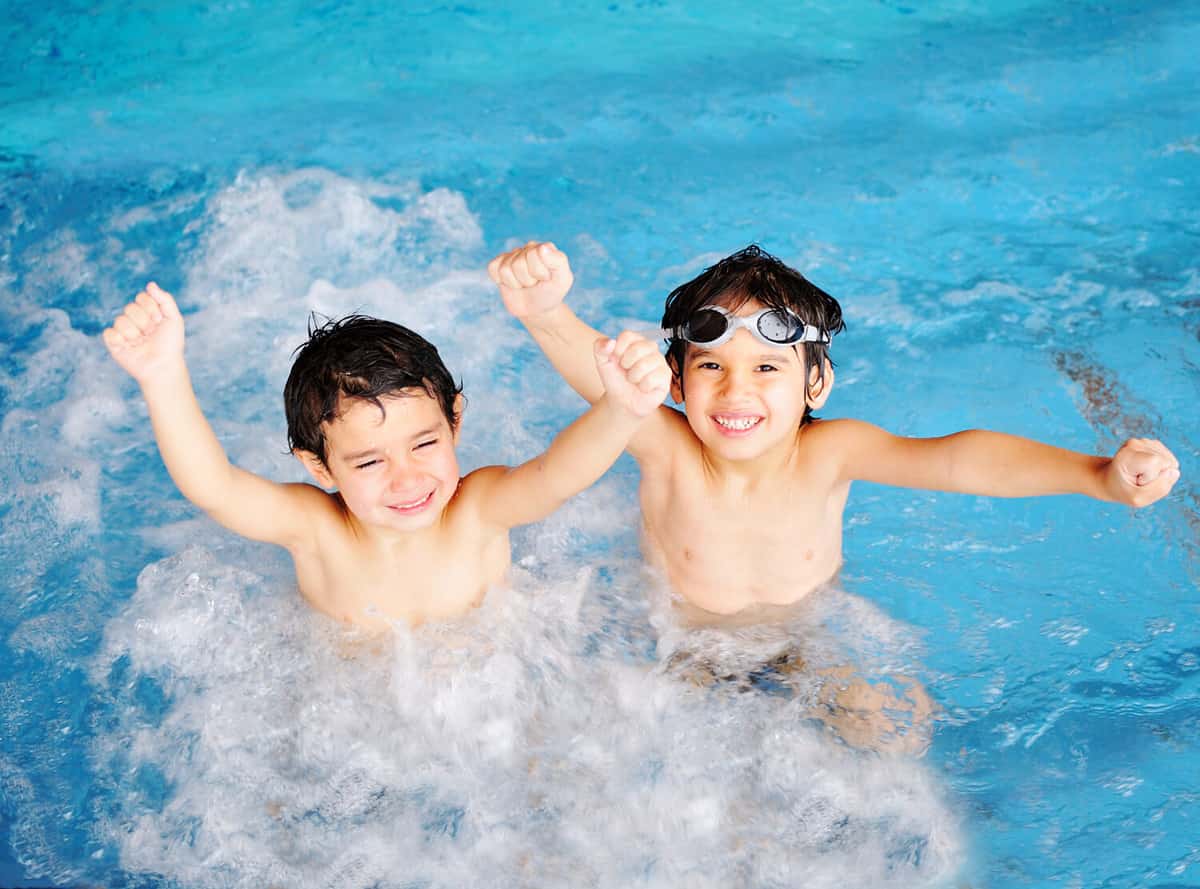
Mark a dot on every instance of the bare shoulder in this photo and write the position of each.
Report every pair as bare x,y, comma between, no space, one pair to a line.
844,432
842,442
477,482
663,438
318,512
312,499
473,490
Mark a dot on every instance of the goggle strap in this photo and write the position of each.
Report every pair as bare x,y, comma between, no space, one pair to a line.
657,333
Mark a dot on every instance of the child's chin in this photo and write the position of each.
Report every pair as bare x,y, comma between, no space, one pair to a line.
415,519
410,521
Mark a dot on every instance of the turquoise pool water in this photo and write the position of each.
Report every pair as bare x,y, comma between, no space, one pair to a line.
1003,196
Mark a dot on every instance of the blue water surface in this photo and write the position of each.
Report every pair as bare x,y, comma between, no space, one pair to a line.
1003,195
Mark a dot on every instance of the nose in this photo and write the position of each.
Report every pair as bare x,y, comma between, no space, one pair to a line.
403,477
734,382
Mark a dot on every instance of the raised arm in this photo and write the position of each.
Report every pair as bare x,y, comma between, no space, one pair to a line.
995,464
147,340
635,379
533,282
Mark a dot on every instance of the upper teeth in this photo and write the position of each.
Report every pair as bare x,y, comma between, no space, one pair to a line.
737,422
416,502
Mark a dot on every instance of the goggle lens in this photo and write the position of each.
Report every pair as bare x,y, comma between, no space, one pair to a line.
774,326
779,326
714,325
705,326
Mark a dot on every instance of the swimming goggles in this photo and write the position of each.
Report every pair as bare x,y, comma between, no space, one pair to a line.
715,325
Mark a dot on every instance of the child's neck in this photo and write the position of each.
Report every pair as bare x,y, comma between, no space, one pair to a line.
749,475
396,541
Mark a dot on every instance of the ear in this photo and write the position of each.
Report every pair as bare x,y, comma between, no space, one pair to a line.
676,381
316,467
460,405
818,389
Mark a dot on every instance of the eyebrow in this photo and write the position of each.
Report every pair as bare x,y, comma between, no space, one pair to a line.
358,455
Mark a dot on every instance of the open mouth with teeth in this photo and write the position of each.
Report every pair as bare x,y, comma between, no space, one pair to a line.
736,424
413,505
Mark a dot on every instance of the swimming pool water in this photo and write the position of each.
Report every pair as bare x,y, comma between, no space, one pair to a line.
1003,196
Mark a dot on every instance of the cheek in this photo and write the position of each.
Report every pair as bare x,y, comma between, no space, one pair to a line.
787,399
357,488
697,417
445,465
699,397
697,388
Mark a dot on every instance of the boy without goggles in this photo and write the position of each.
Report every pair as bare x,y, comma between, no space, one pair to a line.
374,416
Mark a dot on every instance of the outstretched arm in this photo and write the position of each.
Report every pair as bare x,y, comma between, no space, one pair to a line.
635,379
147,341
995,464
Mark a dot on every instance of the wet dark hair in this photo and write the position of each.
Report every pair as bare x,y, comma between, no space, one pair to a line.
754,274
358,357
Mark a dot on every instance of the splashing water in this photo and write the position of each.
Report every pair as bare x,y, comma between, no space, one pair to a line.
1000,194
256,745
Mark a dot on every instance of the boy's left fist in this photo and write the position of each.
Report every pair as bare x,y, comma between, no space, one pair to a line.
1141,472
634,373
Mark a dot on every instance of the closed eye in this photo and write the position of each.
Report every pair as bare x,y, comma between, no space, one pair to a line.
365,464
426,444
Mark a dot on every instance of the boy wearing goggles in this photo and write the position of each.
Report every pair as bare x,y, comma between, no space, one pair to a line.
742,493
392,533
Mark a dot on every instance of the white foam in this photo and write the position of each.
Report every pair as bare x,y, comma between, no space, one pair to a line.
63,263
984,290
446,211
51,474
492,750
539,741
887,307
1134,298
1187,145
272,233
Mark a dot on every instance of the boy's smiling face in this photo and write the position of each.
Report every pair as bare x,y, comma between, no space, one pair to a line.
395,468
744,398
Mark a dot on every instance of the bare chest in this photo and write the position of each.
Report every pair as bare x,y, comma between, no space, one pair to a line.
370,586
724,553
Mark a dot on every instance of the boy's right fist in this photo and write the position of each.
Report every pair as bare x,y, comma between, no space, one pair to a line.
147,338
634,373
532,279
